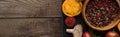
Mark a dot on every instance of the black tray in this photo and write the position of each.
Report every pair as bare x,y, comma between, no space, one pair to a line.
80,20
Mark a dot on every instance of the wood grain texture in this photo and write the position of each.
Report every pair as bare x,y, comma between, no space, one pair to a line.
30,8
42,27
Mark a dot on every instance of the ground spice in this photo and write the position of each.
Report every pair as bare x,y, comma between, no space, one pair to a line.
70,21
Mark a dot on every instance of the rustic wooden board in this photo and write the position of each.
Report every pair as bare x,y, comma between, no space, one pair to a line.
30,8
31,27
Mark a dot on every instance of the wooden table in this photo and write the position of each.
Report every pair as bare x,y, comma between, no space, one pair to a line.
30,18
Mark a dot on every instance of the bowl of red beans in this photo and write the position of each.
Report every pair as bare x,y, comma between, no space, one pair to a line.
101,14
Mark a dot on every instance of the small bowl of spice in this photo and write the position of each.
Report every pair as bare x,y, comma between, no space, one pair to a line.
101,14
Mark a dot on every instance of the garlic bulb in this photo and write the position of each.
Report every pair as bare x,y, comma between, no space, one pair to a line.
77,31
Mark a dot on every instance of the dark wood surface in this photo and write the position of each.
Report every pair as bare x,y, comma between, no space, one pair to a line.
30,8
30,18
35,27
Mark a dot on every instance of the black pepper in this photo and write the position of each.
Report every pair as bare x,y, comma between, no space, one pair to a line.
101,12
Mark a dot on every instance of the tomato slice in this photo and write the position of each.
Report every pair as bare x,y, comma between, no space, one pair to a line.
70,21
